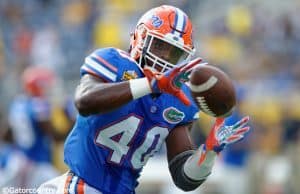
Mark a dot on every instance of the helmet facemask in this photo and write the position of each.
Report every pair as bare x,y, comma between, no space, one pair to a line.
162,55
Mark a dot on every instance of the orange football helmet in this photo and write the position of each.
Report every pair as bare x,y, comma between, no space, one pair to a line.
162,38
37,80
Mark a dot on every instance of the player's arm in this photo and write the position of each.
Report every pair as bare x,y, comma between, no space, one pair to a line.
179,148
99,92
94,96
189,167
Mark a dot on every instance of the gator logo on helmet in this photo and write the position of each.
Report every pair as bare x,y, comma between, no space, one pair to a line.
156,21
173,115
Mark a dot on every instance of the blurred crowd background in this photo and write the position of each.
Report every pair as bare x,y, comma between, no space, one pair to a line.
256,42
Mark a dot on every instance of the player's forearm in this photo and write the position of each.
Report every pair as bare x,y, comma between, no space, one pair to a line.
187,172
199,165
98,98
101,97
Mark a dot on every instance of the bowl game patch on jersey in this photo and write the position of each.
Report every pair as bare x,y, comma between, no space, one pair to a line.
128,75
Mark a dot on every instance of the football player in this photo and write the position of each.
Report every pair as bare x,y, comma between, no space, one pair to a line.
131,103
30,121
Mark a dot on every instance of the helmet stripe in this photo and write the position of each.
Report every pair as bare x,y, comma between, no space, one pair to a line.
180,22
175,23
184,25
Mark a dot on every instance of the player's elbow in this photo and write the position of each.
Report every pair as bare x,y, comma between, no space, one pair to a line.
88,104
82,106
84,103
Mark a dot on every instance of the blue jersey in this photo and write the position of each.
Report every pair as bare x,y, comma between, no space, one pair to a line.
24,116
109,150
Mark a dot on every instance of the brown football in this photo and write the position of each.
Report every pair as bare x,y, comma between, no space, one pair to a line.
212,90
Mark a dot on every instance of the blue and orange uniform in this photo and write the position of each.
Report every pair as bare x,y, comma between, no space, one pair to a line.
107,151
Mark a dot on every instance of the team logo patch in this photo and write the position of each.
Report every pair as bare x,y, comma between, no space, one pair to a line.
173,115
156,21
128,75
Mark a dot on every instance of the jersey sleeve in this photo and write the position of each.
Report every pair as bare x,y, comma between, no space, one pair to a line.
102,63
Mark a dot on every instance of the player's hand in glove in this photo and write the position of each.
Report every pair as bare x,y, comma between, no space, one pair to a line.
222,135
200,164
171,81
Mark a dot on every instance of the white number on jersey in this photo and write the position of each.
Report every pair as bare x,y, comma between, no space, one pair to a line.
118,136
153,141
126,128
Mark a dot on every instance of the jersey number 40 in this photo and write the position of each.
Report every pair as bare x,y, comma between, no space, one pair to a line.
119,136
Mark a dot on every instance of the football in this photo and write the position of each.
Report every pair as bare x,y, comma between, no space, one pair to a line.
213,90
